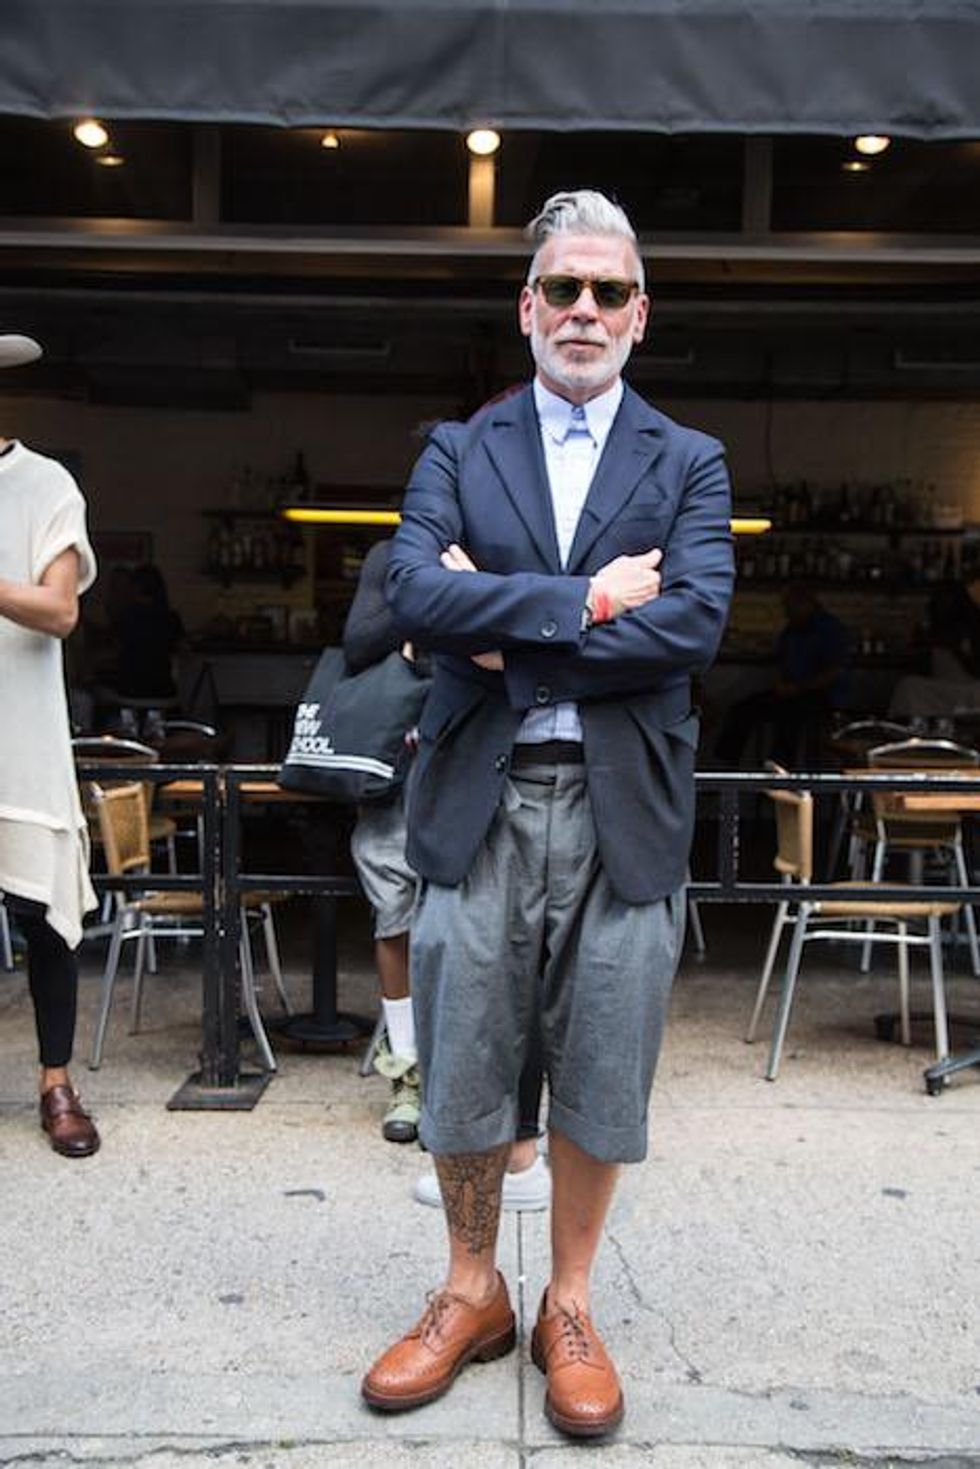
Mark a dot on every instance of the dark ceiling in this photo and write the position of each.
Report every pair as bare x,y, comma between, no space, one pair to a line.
275,176
214,263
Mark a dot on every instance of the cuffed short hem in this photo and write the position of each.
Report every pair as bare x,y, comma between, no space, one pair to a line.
605,1144
482,1134
392,928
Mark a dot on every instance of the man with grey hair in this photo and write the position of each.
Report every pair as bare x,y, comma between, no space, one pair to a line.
566,556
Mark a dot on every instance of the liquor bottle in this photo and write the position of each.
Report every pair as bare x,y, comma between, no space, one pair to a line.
300,480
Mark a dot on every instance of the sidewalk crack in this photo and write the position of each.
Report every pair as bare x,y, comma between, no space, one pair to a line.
692,1372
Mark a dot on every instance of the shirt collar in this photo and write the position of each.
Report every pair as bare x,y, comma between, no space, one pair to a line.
555,413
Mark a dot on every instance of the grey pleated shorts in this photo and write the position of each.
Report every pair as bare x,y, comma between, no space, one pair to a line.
378,851
535,930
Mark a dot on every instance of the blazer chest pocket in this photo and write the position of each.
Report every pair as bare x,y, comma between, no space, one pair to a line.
631,534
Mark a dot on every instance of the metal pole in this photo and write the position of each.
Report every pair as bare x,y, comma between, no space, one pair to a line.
230,934
211,978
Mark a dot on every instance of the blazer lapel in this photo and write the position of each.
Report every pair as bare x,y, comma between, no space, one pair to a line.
513,443
634,443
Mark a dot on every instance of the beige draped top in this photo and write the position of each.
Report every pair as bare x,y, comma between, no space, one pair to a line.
43,836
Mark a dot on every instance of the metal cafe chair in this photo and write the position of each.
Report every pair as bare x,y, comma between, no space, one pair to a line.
794,862
849,745
191,741
887,828
122,817
110,749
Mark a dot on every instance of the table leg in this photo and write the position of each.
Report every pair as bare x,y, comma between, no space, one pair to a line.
325,1025
220,1085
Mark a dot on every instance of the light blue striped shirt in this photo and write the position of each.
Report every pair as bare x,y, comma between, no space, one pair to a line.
573,439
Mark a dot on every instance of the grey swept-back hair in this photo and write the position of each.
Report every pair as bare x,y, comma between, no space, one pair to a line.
580,212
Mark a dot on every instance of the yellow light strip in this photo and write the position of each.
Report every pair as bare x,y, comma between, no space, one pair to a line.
320,515
750,525
317,515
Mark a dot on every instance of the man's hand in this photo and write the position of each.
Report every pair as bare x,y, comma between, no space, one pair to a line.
629,581
454,558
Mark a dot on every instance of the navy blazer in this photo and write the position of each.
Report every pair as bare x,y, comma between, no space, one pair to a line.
485,486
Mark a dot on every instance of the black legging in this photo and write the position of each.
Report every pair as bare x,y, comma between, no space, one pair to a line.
52,974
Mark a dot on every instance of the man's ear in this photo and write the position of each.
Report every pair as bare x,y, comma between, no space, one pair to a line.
642,317
525,310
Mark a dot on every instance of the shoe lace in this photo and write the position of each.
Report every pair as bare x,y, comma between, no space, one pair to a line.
574,1336
405,1091
437,1304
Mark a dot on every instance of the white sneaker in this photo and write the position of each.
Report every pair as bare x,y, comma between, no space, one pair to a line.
528,1191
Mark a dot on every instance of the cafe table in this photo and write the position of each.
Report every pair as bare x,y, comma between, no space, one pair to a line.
325,1025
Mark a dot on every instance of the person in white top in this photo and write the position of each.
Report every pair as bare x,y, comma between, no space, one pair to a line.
46,561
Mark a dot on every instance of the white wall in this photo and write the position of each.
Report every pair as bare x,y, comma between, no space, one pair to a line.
825,443
156,469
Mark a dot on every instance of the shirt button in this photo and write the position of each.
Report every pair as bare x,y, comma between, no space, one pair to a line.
542,694
501,763
549,628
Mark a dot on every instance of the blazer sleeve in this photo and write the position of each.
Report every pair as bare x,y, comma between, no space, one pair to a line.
469,612
675,635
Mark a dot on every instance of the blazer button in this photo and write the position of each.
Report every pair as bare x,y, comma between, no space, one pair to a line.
501,763
542,694
549,628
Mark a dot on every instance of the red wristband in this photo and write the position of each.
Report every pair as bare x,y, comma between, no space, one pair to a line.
602,605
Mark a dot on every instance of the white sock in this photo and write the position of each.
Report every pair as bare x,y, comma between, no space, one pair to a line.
400,1024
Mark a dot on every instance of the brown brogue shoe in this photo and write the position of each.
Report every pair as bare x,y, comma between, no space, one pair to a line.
425,1363
68,1125
584,1398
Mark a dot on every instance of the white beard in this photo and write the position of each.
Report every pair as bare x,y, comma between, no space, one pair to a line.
576,376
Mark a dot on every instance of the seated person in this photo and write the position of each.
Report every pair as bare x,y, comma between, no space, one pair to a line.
811,655
954,655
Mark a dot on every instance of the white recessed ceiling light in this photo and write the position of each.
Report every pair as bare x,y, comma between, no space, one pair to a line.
483,142
871,144
330,141
90,133
110,160
855,165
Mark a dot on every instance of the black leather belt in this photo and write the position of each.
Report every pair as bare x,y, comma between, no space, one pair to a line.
548,752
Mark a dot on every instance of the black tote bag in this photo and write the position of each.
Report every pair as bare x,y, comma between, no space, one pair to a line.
352,731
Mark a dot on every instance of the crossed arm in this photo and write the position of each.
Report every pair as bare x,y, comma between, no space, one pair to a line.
627,581
659,630
50,606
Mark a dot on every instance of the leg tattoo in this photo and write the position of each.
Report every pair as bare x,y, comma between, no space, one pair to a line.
470,1184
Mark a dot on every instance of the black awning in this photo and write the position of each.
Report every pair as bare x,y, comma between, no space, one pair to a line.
905,67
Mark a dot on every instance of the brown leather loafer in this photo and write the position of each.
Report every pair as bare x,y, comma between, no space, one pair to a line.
584,1398
68,1125
425,1363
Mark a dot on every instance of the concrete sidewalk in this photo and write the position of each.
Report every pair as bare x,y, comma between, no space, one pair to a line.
792,1276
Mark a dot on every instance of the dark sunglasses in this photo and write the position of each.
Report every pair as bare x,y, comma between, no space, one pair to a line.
608,292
